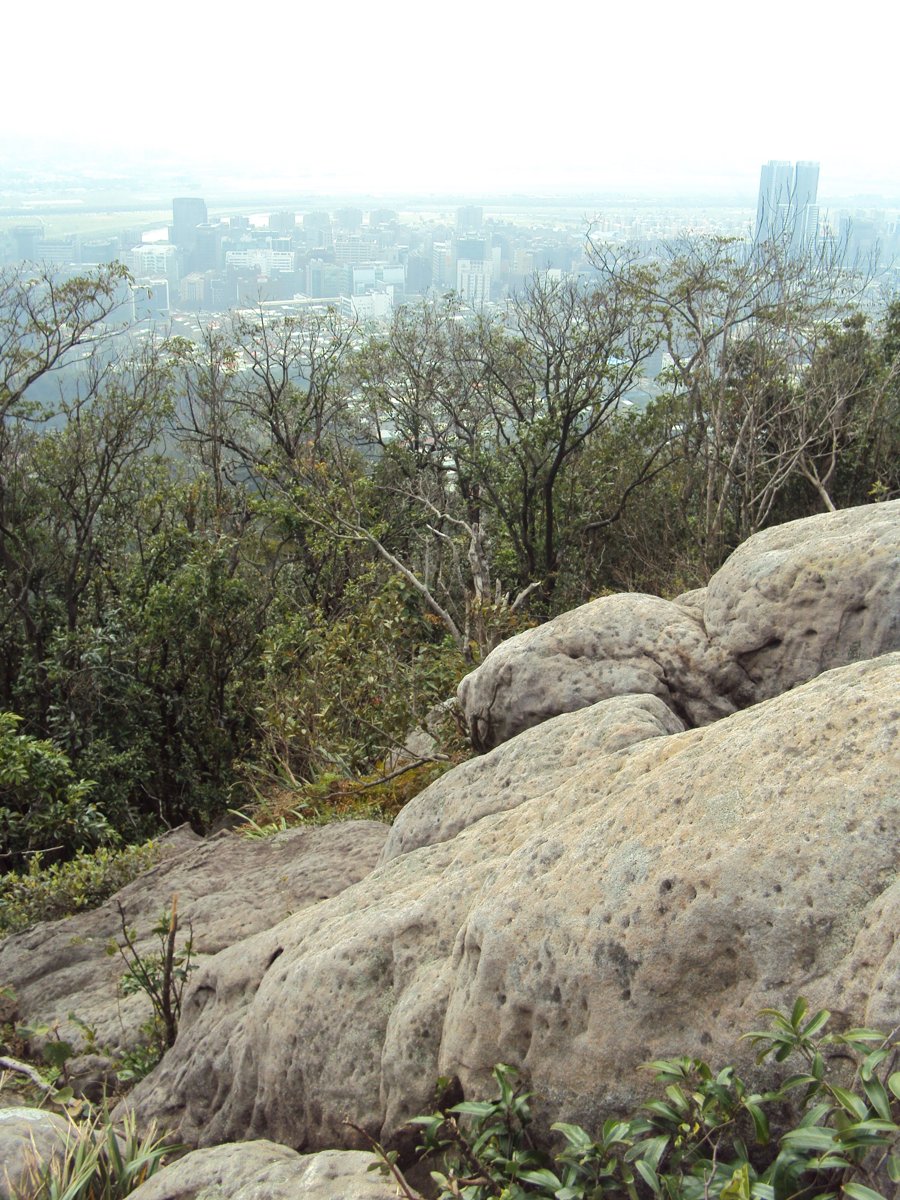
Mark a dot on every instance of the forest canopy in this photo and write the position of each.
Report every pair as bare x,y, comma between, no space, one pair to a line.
265,554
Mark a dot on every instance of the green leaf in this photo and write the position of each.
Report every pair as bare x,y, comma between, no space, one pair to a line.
658,1108
859,1191
795,1081
861,1035
815,1137
850,1102
649,1176
798,1012
650,1151
542,1177
738,1187
816,1022
475,1108
760,1122
577,1137
678,1098
57,1053
878,1097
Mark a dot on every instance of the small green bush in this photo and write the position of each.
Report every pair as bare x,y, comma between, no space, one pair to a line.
101,1161
161,976
707,1136
43,806
47,893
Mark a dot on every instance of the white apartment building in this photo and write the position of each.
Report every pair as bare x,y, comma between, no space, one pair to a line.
153,260
473,281
260,258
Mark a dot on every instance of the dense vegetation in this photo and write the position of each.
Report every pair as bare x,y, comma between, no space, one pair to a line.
235,565
833,1130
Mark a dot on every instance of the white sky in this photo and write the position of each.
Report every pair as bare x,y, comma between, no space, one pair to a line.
391,95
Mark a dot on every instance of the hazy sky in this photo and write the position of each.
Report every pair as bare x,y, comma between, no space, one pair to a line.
468,97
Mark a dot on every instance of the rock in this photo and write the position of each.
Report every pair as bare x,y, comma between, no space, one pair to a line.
29,1139
791,602
228,888
523,769
92,1076
648,904
801,598
629,643
442,721
250,1170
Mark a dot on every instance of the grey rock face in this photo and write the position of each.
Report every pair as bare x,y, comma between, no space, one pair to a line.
649,903
791,602
228,888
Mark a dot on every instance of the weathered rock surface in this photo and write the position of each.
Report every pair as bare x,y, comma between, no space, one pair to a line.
262,1170
29,1137
791,602
650,903
228,888
629,643
804,597
525,768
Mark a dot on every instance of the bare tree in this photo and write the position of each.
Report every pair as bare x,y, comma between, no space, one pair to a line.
742,325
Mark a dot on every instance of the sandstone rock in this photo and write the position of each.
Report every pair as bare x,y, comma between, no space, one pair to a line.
791,602
228,888
648,904
801,598
29,1138
261,1169
525,768
629,643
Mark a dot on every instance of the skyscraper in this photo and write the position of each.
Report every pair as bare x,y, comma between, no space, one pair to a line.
187,213
786,208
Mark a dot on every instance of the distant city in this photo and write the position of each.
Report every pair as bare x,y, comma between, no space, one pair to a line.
366,261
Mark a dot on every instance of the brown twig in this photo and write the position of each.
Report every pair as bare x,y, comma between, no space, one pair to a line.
379,1151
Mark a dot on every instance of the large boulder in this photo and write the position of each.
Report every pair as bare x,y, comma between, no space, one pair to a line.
628,643
228,888
251,1170
649,902
791,602
801,598
525,768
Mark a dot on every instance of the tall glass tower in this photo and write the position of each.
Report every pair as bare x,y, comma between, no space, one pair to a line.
786,208
187,213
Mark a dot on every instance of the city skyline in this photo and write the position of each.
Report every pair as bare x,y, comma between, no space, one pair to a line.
480,101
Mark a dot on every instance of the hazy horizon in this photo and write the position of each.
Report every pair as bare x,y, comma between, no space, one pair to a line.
483,101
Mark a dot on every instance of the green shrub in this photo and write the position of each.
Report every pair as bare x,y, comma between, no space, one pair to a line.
43,807
47,893
101,1162
707,1136
161,976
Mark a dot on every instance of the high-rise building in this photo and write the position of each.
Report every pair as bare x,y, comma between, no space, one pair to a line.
786,207
187,213
282,222
317,229
469,219
474,270
154,260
